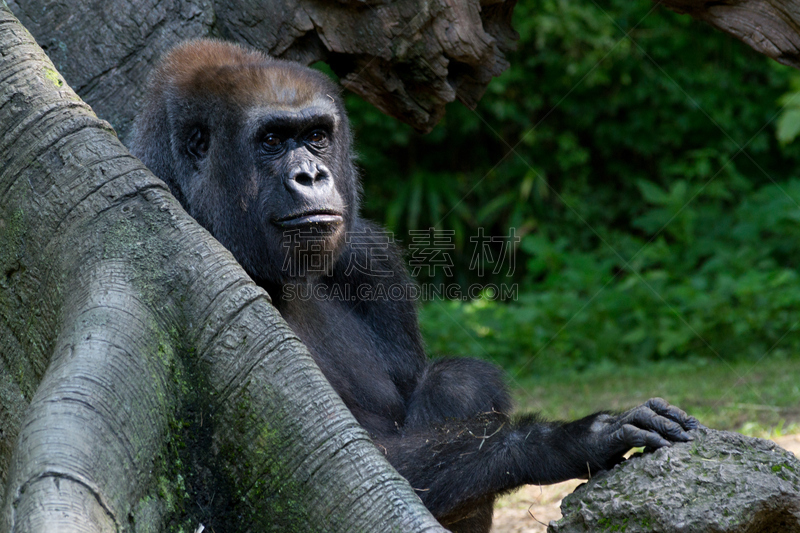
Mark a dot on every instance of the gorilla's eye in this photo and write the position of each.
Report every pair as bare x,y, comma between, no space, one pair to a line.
271,140
317,137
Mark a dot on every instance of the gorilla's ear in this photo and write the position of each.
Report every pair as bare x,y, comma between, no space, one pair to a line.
197,146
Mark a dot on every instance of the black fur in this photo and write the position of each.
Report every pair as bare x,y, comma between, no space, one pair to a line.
230,131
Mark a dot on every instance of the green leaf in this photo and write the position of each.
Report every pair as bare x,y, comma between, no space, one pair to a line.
788,125
652,192
634,337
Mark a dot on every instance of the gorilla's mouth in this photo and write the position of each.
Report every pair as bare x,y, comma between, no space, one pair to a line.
310,218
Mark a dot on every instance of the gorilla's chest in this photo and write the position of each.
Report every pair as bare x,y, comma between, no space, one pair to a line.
371,373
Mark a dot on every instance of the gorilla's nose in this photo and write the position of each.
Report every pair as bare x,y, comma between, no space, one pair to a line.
307,174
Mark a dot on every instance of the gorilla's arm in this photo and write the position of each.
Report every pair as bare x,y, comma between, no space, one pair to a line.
459,464
458,446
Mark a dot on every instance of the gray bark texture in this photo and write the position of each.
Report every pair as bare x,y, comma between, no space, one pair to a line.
771,27
146,384
721,482
407,57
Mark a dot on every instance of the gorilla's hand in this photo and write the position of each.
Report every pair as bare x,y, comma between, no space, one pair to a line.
653,424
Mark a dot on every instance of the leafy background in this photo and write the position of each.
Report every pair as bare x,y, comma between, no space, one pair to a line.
646,161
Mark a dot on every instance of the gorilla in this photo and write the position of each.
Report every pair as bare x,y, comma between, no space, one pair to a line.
258,151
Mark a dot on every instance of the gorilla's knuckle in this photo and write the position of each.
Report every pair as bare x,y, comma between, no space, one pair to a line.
631,432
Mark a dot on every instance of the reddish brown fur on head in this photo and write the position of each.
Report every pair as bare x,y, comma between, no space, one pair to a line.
236,74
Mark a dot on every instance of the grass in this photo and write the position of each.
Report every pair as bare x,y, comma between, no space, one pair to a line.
760,399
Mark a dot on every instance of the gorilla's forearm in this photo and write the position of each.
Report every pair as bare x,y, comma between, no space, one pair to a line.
494,454
464,462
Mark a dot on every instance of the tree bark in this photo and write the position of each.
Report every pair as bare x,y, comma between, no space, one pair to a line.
146,384
407,57
771,27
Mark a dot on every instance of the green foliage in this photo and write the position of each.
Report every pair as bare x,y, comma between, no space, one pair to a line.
637,154
732,291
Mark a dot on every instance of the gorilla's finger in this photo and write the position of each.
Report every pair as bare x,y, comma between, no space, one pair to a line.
634,437
647,419
662,407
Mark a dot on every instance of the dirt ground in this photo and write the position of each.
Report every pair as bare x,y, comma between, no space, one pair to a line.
531,508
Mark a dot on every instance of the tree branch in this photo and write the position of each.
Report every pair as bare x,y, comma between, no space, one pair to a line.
771,27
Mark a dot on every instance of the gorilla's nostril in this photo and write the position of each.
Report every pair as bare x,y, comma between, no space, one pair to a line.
304,178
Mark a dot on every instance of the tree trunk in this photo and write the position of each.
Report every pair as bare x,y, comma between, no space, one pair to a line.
146,384
407,57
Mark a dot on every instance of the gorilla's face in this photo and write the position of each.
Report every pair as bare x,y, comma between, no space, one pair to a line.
301,201
261,158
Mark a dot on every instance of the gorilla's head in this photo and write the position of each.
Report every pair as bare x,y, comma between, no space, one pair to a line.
257,150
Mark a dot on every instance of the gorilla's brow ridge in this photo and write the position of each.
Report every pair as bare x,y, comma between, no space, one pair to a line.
290,116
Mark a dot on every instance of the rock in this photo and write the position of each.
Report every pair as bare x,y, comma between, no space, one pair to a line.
721,482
